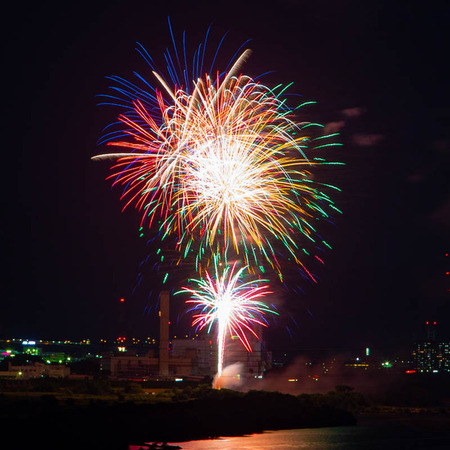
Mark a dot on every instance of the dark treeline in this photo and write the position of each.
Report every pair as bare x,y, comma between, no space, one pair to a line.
400,390
193,413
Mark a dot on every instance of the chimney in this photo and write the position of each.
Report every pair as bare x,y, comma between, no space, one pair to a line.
164,322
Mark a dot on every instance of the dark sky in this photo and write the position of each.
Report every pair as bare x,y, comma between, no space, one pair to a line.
378,72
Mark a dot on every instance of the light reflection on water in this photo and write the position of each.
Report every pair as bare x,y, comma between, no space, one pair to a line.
373,437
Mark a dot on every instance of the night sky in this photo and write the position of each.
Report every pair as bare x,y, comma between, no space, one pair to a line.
379,73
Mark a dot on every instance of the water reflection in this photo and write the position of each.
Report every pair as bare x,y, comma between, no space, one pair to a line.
371,437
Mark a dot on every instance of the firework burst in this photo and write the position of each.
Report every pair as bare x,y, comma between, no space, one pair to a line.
223,165
230,304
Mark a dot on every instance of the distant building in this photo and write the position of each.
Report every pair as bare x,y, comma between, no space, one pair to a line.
254,363
443,357
53,351
38,370
201,352
430,355
130,366
424,356
357,364
148,366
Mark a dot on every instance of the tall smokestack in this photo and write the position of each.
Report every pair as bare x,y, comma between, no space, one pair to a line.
164,322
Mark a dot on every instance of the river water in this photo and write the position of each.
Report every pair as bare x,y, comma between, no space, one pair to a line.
369,436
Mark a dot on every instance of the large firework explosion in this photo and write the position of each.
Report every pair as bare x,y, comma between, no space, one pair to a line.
222,168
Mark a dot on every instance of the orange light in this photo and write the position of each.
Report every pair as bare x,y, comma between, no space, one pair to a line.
122,300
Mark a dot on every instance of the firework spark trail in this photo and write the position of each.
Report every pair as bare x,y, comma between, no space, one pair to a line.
230,304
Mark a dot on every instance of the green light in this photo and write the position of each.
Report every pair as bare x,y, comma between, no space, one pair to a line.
336,144
306,103
327,244
338,210
326,136
311,124
286,87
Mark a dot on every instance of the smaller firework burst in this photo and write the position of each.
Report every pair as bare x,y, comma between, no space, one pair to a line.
229,303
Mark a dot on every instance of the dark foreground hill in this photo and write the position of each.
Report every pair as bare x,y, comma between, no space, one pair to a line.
105,425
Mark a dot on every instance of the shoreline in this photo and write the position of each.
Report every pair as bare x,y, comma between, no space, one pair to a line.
116,426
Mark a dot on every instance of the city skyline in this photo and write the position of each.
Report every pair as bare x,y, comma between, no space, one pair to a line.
427,355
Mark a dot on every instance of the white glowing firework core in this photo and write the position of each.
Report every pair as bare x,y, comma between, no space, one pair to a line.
220,172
